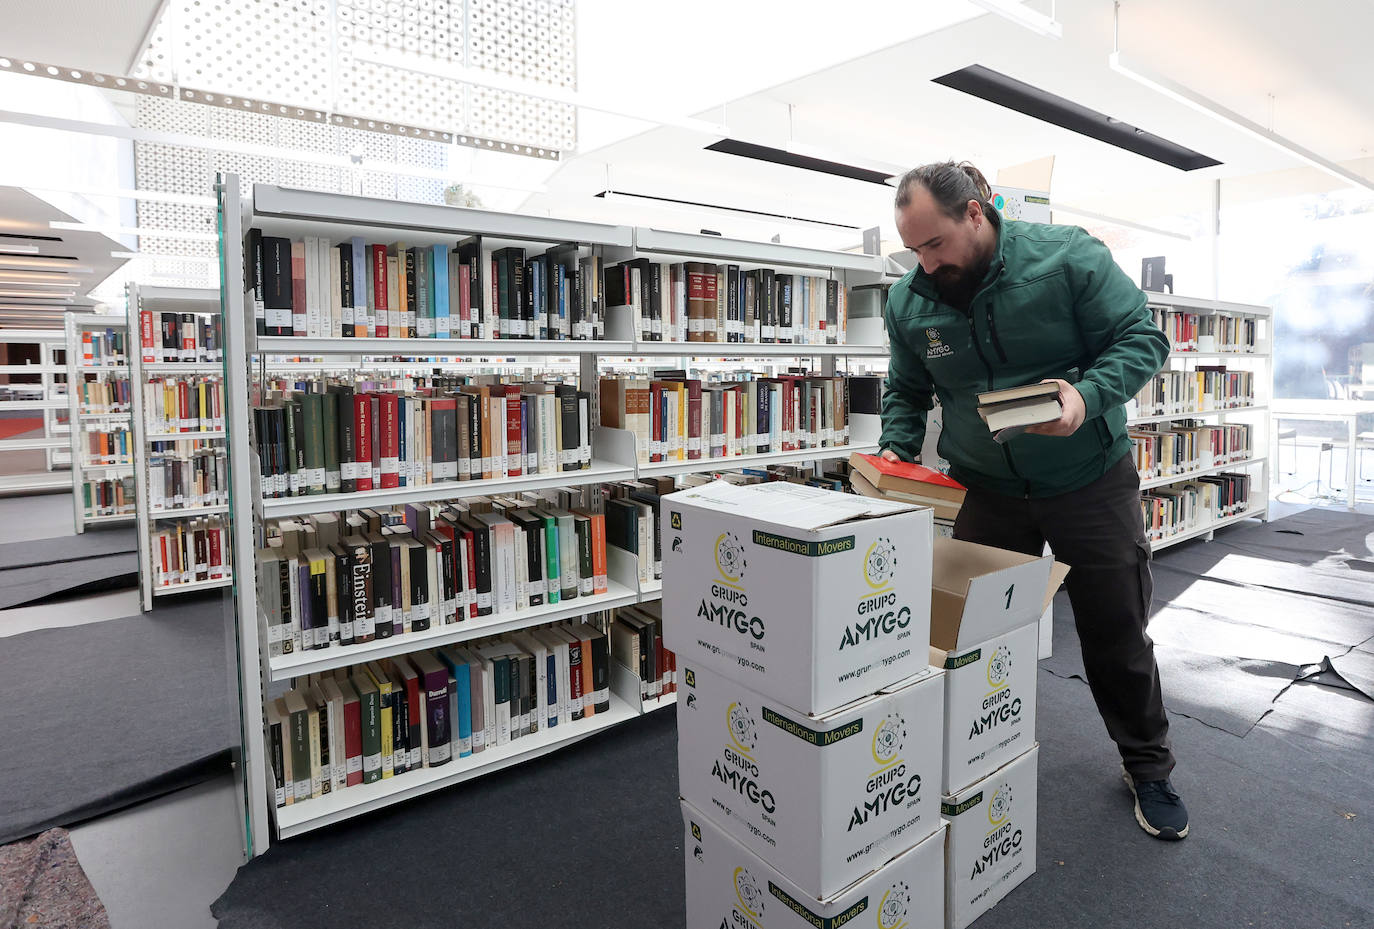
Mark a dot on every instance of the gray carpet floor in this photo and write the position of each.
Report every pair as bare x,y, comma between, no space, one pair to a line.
1275,772
106,714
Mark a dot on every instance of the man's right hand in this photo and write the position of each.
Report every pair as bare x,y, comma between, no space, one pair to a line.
889,455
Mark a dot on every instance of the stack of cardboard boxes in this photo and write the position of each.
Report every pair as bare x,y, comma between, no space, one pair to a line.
812,729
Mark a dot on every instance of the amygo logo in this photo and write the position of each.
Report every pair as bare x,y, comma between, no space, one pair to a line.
889,787
1000,705
749,894
728,604
878,612
893,908
1004,839
736,768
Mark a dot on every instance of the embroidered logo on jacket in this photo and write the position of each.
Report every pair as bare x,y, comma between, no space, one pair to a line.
936,348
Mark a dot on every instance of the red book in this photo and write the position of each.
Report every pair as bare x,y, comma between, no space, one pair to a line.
515,458
184,406
467,330
379,285
907,477
145,334
353,734
388,431
362,438
672,670
298,312
471,549
216,569
694,436
661,663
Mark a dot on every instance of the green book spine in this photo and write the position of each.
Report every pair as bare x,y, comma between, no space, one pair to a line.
370,711
313,413
292,409
331,441
552,564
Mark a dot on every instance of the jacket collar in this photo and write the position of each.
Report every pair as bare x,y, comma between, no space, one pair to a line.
922,284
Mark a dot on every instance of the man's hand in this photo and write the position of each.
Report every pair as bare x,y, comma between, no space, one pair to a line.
1071,417
890,455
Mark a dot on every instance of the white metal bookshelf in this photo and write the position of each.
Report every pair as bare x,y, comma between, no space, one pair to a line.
197,301
84,422
1256,413
293,213
48,398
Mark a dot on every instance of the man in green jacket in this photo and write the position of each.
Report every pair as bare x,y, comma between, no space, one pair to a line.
992,305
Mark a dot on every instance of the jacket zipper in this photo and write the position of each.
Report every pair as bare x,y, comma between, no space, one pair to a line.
992,331
1006,452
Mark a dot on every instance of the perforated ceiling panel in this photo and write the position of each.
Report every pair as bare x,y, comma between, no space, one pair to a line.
313,55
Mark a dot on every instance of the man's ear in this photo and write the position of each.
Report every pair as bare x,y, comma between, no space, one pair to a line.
975,210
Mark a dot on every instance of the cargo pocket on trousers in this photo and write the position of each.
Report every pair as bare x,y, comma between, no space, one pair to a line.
1147,583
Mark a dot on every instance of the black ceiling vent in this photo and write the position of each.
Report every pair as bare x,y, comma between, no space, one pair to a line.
729,209
779,156
989,85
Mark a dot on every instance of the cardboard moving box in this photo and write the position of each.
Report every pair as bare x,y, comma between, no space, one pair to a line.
812,598
729,886
985,607
823,799
991,843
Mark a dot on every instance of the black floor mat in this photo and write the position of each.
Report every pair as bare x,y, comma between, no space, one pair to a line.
36,583
103,715
93,543
588,836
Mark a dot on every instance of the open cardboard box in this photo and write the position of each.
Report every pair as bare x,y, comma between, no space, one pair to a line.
985,606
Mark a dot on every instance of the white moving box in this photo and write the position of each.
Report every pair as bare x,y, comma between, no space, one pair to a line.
810,597
985,608
823,799
730,886
991,843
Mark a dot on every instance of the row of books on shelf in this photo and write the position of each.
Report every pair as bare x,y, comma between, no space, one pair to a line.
106,444
676,418
183,403
1207,332
190,551
169,338
104,349
1204,388
1189,446
703,302
111,497
338,436
358,289
1179,508
104,395
335,580
371,722
180,479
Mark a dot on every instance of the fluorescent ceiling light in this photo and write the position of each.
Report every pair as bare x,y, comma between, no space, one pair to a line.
19,249
1015,12
30,282
1196,101
41,262
126,193
135,230
37,295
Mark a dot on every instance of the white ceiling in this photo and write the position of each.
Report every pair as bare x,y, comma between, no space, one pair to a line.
882,105
98,36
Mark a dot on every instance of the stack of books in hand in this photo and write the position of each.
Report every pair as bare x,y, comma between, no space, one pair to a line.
1009,412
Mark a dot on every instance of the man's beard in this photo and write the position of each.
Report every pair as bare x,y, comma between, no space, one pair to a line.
958,285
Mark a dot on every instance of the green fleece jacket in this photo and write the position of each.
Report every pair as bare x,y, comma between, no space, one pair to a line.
1053,305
